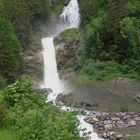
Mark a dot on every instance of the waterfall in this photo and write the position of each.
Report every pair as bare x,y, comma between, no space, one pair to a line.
71,15
70,18
51,77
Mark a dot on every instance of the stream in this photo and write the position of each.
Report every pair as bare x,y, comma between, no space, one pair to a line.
70,18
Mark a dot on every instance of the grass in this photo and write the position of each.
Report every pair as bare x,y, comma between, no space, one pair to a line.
134,137
132,107
9,135
82,79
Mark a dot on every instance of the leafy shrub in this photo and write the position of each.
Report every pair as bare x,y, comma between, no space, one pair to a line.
33,118
9,51
16,92
100,70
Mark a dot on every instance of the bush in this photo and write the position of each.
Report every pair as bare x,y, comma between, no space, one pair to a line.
33,118
9,52
100,70
16,92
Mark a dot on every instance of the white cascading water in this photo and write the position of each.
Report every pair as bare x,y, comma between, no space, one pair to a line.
71,15
51,77
70,18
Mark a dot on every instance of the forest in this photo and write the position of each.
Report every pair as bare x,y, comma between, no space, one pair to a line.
109,40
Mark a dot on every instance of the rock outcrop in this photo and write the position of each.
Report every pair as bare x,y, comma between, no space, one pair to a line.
68,45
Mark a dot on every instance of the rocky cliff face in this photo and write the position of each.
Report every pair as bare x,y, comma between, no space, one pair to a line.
32,58
68,45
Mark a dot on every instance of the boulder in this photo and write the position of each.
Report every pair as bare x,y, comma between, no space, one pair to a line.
132,123
95,119
109,126
137,119
119,136
107,122
115,119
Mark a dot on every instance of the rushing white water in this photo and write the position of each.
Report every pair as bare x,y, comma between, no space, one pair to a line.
51,77
70,18
71,15
88,128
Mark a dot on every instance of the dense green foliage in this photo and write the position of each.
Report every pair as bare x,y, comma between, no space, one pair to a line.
111,32
27,113
22,14
17,19
9,51
93,71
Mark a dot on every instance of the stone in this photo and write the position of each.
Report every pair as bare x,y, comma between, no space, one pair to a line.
107,122
110,133
132,123
95,119
126,117
137,119
100,128
119,136
104,135
115,119
120,122
109,126
137,98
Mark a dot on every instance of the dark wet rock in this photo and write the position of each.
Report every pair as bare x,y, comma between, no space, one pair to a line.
137,98
67,2
65,99
49,90
69,100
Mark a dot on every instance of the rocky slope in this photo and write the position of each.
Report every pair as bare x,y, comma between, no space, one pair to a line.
68,45
33,64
